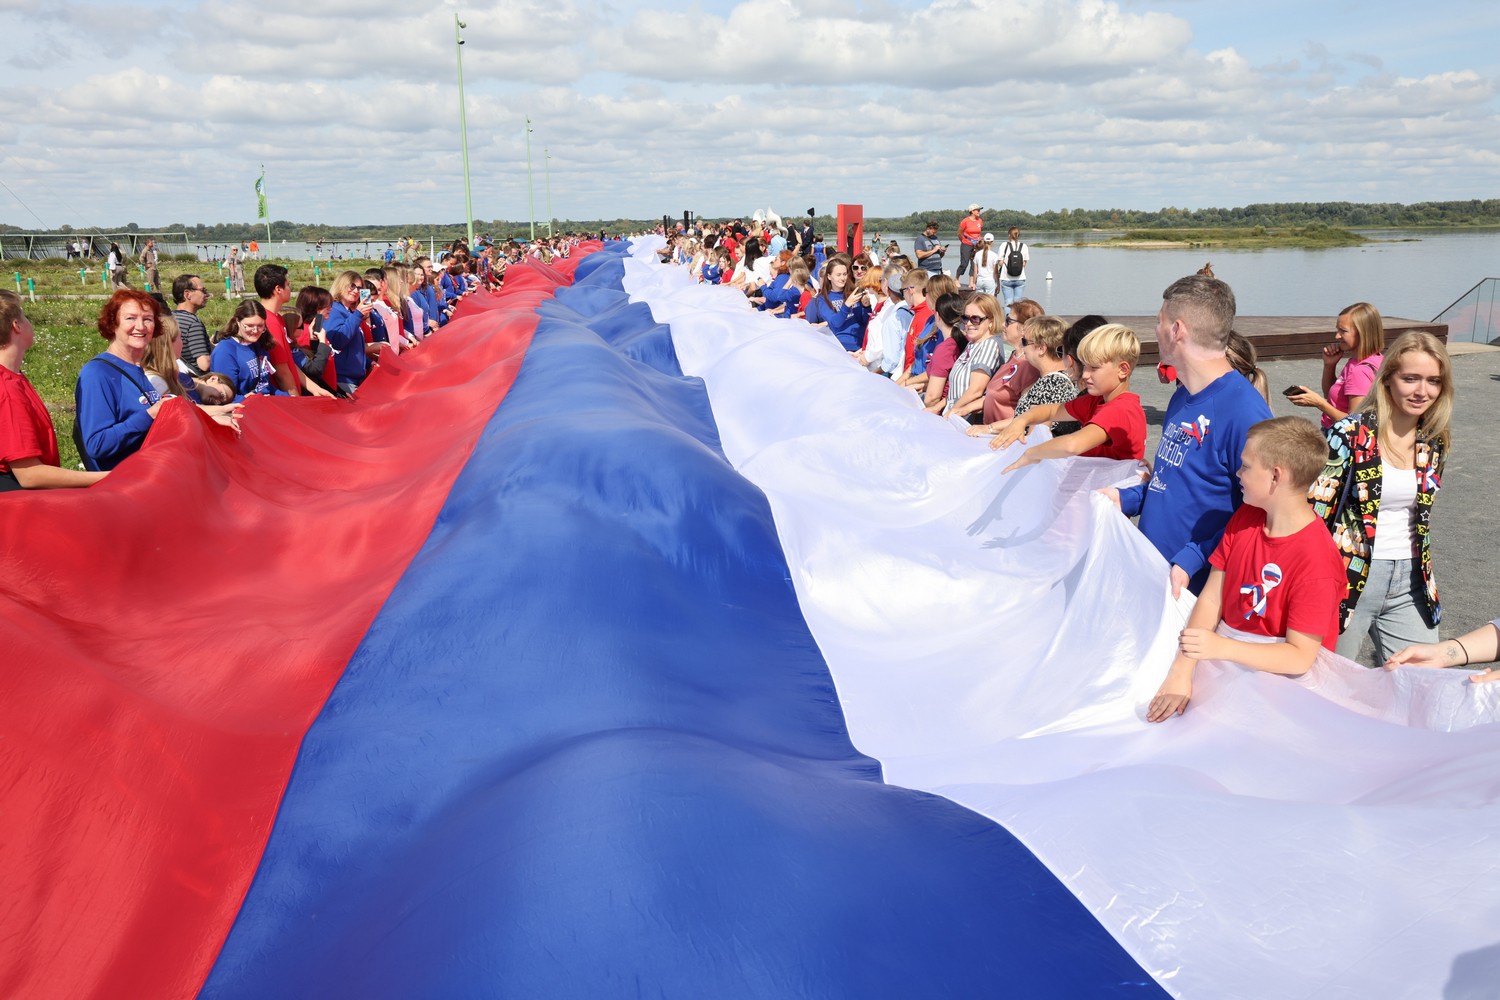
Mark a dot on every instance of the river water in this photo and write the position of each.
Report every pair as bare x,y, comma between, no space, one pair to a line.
1411,274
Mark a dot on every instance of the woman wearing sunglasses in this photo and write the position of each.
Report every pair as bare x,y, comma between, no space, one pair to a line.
977,363
1043,345
1017,374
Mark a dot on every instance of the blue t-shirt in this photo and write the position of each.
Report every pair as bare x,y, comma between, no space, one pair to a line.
1194,489
844,322
249,369
112,399
347,338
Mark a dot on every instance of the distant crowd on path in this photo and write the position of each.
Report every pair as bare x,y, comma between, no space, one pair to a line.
1349,560
716,253
488,259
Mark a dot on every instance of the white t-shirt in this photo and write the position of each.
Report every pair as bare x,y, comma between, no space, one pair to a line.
986,256
761,270
1005,249
1398,504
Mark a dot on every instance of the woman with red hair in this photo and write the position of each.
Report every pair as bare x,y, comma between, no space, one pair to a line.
116,402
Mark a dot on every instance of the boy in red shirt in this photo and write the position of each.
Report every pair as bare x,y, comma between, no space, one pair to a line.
28,444
1114,424
1272,597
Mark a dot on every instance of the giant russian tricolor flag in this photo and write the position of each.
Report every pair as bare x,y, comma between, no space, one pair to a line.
624,642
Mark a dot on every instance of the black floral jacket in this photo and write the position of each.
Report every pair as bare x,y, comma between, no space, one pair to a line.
1347,497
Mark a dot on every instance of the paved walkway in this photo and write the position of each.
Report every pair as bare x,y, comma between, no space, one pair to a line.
1466,518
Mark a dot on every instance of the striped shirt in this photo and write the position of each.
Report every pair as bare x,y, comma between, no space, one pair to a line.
981,356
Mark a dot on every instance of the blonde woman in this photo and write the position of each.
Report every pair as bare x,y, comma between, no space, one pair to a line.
169,374
398,292
978,361
345,328
1384,469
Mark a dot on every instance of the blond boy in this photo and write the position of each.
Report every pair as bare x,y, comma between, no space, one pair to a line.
1114,424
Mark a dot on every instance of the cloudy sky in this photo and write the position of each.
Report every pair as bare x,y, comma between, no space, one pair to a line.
161,112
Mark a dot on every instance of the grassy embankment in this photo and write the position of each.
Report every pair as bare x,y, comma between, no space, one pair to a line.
1312,237
66,312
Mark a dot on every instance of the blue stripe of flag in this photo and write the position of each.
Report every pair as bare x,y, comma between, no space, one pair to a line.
590,749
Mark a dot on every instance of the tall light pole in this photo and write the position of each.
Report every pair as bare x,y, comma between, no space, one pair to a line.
530,190
547,170
463,125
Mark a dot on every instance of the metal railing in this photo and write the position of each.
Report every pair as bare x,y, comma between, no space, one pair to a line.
41,246
1475,317
44,246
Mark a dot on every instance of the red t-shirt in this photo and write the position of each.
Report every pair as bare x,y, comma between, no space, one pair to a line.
918,321
25,427
802,302
1007,387
943,356
970,230
1122,419
1272,585
281,351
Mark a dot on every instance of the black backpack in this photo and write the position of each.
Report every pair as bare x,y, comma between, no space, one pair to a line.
1014,262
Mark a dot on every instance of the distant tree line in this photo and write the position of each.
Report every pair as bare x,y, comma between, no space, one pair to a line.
1346,214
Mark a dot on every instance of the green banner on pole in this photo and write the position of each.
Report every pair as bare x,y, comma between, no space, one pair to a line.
260,195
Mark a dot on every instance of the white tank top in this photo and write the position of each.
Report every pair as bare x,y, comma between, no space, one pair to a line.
1398,504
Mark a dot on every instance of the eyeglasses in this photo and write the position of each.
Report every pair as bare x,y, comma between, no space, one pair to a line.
974,320
1012,322
1025,342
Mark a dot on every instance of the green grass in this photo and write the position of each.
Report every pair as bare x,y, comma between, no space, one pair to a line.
67,334
1312,236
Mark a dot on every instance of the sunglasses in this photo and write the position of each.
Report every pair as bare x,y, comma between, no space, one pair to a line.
860,267
1025,342
974,320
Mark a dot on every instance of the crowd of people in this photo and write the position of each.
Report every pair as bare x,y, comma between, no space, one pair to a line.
316,342
1310,537
1294,537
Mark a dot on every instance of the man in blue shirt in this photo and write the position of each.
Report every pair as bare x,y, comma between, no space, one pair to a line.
1193,487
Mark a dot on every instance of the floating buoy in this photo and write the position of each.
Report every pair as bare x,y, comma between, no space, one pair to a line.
1049,275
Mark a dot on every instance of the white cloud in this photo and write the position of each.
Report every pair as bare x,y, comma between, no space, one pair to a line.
157,113
933,48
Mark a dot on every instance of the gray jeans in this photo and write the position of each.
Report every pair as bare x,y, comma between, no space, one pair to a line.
1387,612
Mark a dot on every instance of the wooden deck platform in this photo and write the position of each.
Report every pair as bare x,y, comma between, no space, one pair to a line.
1277,337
